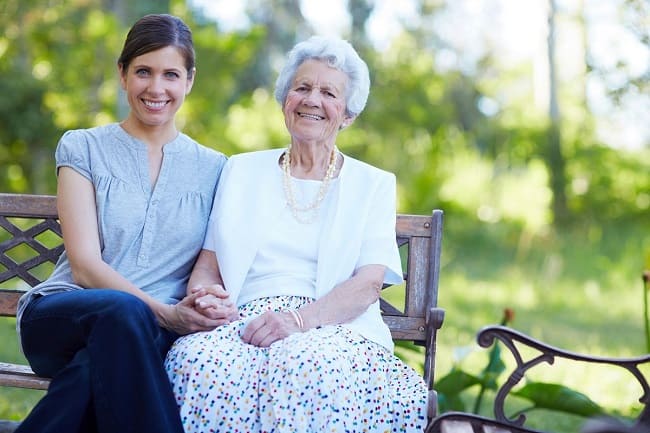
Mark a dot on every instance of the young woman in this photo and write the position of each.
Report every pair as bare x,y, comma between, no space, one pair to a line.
133,200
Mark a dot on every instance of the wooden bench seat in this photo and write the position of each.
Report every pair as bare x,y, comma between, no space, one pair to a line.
31,242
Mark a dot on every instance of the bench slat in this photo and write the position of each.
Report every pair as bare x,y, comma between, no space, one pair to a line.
21,376
9,301
28,205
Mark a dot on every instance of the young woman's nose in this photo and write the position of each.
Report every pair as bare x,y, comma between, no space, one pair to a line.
156,85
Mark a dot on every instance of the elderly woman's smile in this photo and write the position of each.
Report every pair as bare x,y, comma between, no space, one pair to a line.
311,116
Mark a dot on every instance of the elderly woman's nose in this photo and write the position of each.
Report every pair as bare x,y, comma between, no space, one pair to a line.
312,97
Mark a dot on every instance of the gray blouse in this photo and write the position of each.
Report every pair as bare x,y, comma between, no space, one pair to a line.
150,236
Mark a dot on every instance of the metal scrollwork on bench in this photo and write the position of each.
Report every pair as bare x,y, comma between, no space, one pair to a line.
511,338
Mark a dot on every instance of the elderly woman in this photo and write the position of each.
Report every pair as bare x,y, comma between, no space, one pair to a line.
302,240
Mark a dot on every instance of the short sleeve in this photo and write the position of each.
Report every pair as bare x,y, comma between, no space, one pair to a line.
72,151
379,244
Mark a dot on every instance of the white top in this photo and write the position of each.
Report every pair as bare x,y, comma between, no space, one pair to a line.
283,266
356,229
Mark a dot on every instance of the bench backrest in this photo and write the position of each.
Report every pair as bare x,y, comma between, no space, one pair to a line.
32,241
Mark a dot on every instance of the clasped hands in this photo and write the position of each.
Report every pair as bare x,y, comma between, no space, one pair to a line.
207,307
203,309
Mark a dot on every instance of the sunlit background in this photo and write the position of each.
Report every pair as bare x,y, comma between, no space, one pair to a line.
515,31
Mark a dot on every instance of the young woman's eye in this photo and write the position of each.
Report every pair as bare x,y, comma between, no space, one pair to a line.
172,75
142,72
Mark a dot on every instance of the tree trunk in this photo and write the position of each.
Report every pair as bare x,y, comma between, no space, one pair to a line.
554,157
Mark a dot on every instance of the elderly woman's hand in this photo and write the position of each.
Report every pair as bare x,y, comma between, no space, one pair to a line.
268,328
213,301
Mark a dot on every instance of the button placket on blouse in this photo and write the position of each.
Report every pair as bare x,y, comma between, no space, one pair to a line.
150,230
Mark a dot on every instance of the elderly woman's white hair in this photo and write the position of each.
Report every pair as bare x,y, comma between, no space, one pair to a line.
337,53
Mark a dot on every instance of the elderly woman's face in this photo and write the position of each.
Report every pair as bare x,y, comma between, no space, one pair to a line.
315,106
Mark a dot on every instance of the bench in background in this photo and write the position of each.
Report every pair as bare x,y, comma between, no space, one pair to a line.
520,347
31,242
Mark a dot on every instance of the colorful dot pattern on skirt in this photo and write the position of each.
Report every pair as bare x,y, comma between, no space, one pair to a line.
323,380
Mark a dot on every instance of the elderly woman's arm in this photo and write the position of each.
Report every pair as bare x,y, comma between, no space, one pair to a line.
342,304
347,301
214,301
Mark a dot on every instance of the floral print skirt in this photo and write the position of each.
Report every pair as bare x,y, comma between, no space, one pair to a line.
323,380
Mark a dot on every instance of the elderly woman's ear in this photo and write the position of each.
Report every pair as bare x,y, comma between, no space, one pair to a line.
347,122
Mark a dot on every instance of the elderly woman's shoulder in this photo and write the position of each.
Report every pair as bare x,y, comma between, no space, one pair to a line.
256,155
359,165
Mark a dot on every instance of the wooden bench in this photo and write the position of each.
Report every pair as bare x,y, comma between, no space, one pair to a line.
30,223
528,353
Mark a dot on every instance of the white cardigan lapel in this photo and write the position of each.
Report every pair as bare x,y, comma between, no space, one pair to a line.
249,208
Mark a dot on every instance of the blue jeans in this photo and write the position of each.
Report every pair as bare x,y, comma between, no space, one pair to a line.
104,351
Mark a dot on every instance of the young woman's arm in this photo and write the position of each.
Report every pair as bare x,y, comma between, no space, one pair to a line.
78,217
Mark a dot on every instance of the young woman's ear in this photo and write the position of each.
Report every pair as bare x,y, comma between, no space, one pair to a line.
190,81
122,72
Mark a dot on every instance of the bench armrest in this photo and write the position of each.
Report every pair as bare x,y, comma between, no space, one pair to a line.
514,340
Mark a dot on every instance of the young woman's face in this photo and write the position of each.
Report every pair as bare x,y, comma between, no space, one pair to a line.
315,105
156,84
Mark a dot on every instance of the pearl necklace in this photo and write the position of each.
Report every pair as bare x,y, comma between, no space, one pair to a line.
312,208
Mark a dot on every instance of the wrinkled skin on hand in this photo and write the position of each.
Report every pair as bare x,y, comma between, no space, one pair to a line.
268,328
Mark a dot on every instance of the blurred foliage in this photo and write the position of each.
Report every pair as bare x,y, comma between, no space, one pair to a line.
427,125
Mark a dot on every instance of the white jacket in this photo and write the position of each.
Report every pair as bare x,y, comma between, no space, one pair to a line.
359,228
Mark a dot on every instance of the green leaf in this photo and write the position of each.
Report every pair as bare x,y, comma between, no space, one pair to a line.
493,369
450,403
560,398
455,382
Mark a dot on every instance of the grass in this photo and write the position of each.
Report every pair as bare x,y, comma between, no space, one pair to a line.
575,290
15,403
570,290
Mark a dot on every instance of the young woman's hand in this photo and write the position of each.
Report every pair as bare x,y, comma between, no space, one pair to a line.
203,310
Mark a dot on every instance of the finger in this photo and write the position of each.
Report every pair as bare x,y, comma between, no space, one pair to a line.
190,299
206,301
195,288
251,328
219,312
217,290
268,340
209,325
199,322
263,337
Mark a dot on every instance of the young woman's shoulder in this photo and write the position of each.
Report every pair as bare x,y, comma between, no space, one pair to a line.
202,151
